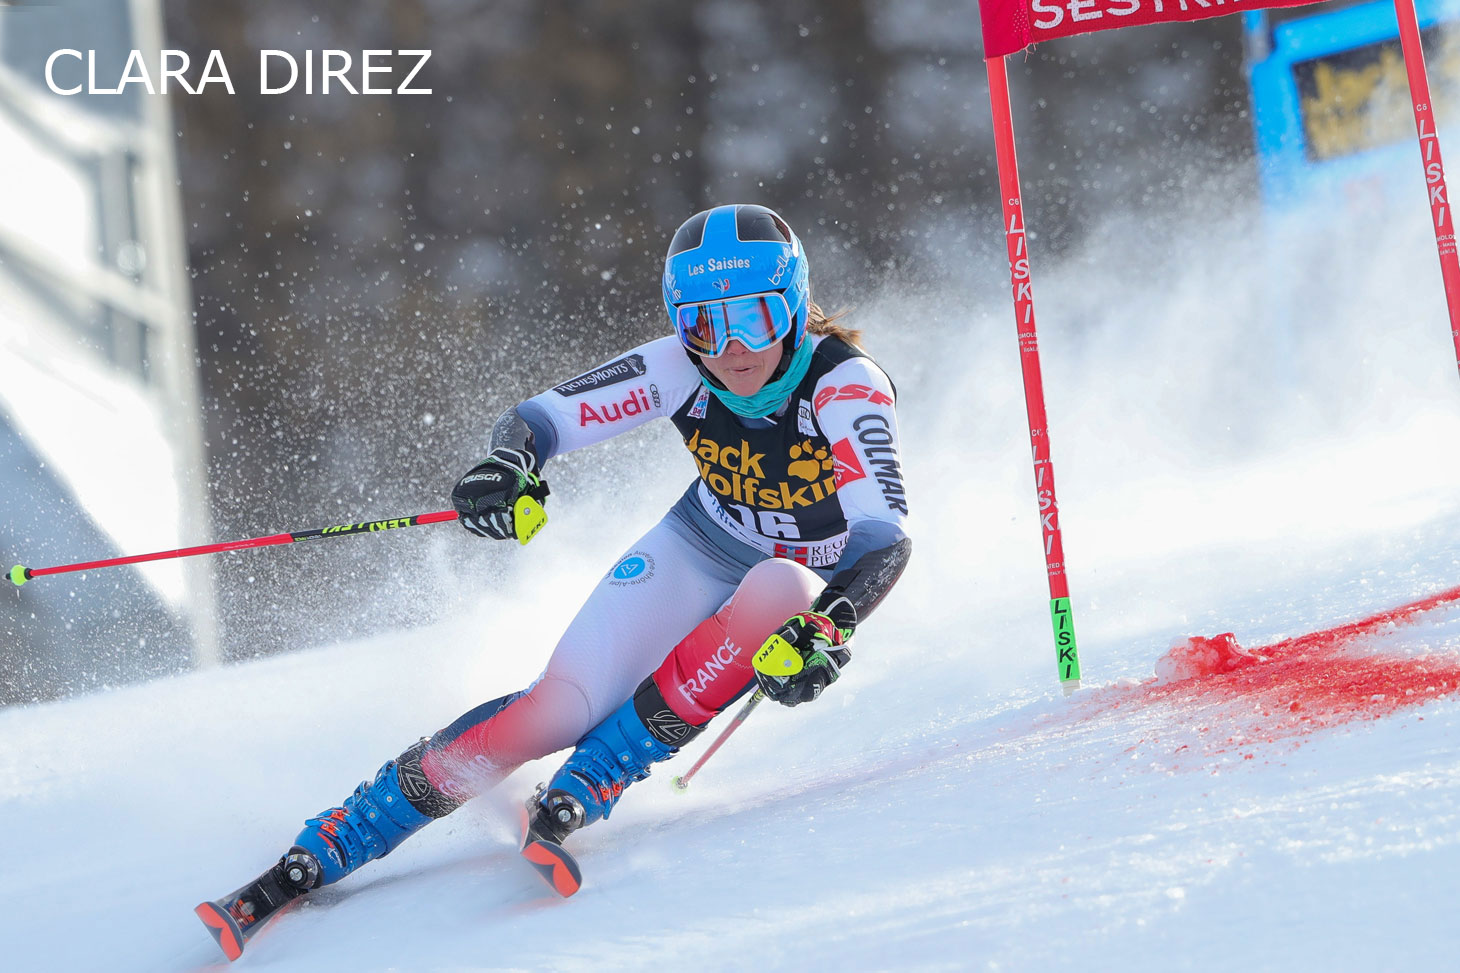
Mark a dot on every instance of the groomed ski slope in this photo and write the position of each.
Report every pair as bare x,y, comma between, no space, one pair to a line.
943,807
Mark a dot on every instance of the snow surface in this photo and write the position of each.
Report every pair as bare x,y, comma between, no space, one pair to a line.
1226,463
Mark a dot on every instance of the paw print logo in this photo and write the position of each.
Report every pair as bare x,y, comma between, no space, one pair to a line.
810,463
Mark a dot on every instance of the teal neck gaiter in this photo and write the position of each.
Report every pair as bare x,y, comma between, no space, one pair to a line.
769,398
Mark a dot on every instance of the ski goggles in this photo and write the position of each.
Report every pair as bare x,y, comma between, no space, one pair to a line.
757,320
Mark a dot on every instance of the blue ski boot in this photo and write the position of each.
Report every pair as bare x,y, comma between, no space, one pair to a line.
614,754
372,822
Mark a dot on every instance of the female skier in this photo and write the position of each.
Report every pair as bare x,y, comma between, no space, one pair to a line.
795,526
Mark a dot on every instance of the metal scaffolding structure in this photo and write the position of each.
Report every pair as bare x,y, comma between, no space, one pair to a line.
95,309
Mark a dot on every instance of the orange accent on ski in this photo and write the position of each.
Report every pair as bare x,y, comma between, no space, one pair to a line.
223,929
549,860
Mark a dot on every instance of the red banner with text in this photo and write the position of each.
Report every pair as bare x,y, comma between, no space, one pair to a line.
1012,25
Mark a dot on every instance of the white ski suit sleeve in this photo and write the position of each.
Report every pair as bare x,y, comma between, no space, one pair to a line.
651,380
854,406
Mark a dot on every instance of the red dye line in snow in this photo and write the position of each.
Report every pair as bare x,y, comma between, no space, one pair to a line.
1334,637
1295,686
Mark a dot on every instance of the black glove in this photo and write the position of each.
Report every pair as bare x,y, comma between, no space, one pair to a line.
485,496
818,638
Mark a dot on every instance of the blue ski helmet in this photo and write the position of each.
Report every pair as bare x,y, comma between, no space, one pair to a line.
736,271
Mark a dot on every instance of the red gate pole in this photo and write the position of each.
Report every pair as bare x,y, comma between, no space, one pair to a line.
1429,147
1066,651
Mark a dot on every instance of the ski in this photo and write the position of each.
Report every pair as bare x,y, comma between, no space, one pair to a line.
237,917
544,851
234,919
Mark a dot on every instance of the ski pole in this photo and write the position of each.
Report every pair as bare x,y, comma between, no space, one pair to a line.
681,783
530,517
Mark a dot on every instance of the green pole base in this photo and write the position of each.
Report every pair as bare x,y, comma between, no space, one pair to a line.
1066,649
19,575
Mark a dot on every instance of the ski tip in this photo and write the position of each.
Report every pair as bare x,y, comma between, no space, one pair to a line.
1070,686
225,931
555,865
